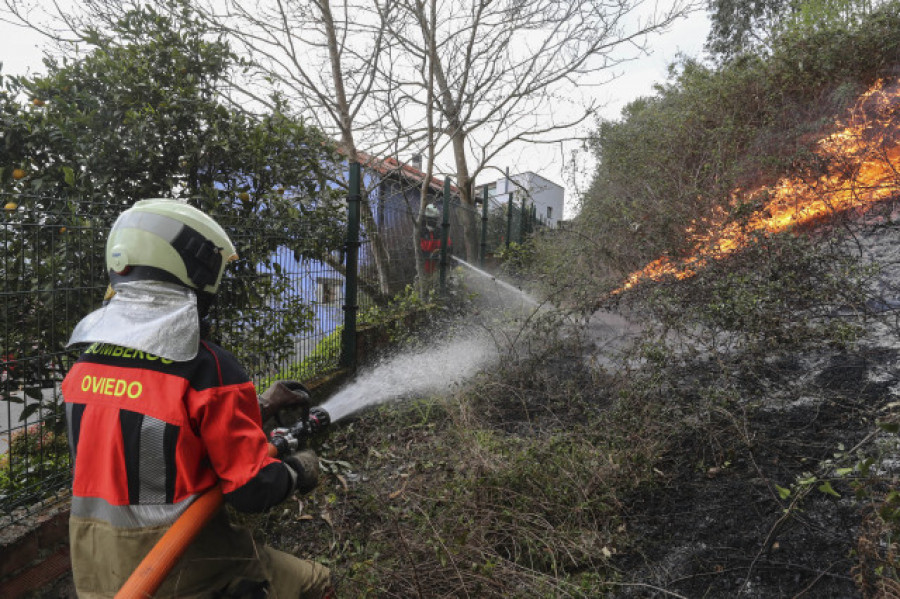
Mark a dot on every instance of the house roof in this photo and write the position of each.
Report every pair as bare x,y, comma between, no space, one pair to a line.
526,175
393,167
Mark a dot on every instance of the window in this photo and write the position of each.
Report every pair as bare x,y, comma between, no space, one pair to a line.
329,290
549,212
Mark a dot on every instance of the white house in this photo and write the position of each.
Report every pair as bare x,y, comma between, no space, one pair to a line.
546,196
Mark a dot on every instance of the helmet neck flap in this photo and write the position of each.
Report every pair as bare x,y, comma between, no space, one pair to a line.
165,261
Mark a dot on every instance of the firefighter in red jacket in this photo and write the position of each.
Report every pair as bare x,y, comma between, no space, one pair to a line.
157,416
430,242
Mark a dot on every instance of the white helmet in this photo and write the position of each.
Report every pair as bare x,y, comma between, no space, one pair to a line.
168,240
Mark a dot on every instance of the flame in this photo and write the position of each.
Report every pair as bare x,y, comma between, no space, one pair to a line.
862,169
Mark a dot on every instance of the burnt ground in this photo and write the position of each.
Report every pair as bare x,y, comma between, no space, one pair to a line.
736,506
717,525
740,509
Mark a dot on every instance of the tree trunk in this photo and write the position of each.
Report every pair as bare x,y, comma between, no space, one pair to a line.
378,249
464,187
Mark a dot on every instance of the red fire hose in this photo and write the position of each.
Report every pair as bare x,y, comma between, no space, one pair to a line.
156,565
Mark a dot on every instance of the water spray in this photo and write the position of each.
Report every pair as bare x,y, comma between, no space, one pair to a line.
500,282
433,369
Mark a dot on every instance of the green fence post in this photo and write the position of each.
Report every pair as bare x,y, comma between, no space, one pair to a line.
509,208
484,225
351,307
445,234
522,223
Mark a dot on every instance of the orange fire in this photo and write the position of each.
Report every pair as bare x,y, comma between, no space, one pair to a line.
863,159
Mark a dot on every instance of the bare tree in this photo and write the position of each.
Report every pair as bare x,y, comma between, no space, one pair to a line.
327,63
506,71
342,67
429,169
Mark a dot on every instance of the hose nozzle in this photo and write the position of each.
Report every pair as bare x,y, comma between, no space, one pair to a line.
289,439
318,419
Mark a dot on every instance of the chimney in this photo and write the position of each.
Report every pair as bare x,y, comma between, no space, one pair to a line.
416,161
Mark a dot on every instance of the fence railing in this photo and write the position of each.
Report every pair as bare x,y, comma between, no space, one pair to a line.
280,308
277,308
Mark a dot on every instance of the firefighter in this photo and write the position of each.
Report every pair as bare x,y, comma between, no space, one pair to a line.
430,242
157,415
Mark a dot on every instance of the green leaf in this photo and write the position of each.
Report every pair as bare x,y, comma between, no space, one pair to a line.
29,411
12,398
33,393
782,492
828,489
843,471
69,175
865,466
889,427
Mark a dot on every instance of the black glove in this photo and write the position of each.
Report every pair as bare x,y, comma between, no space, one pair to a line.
305,466
283,394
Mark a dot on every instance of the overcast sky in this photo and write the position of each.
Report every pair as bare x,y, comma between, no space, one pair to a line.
20,53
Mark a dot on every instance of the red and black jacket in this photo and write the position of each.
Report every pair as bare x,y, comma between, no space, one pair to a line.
148,435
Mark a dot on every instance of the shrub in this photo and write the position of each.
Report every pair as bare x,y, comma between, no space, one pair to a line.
35,453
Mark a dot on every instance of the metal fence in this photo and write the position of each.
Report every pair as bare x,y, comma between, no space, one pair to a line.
475,233
273,313
278,310
52,273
